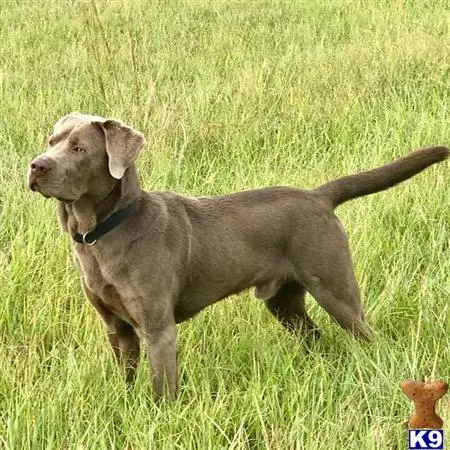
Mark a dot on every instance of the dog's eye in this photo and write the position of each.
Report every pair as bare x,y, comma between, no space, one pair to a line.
78,150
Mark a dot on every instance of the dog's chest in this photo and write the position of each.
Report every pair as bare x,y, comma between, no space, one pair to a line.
107,280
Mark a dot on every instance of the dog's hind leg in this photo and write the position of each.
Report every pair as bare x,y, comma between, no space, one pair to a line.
288,306
338,293
325,269
349,316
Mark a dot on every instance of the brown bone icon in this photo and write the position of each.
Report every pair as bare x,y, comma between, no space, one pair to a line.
425,395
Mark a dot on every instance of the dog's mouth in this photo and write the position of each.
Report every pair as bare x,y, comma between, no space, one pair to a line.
65,200
35,187
45,195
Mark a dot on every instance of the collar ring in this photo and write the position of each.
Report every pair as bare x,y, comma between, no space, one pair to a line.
87,241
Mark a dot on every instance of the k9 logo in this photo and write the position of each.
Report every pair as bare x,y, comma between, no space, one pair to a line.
426,439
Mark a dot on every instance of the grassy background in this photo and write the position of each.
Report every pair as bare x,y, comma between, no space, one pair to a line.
231,95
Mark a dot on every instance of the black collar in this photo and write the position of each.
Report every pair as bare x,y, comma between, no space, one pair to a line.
90,238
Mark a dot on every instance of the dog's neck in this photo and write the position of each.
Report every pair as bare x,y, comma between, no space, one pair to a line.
83,215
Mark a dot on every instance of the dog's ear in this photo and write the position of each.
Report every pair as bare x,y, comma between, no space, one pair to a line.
123,144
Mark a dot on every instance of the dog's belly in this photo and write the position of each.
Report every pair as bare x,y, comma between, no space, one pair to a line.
204,291
182,312
197,298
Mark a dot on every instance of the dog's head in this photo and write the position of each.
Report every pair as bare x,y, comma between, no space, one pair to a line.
85,156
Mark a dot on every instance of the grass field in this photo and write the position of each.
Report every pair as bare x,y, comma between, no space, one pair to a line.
230,95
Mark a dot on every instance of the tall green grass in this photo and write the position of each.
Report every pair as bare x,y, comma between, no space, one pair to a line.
230,95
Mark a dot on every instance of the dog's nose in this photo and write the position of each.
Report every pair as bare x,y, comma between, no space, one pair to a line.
41,165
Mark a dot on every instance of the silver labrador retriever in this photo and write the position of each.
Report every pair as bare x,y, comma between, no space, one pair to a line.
150,260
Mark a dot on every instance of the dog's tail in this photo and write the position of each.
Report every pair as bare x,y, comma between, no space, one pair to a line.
364,183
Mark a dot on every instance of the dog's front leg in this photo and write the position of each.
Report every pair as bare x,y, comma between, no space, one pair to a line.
162,350
121,335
